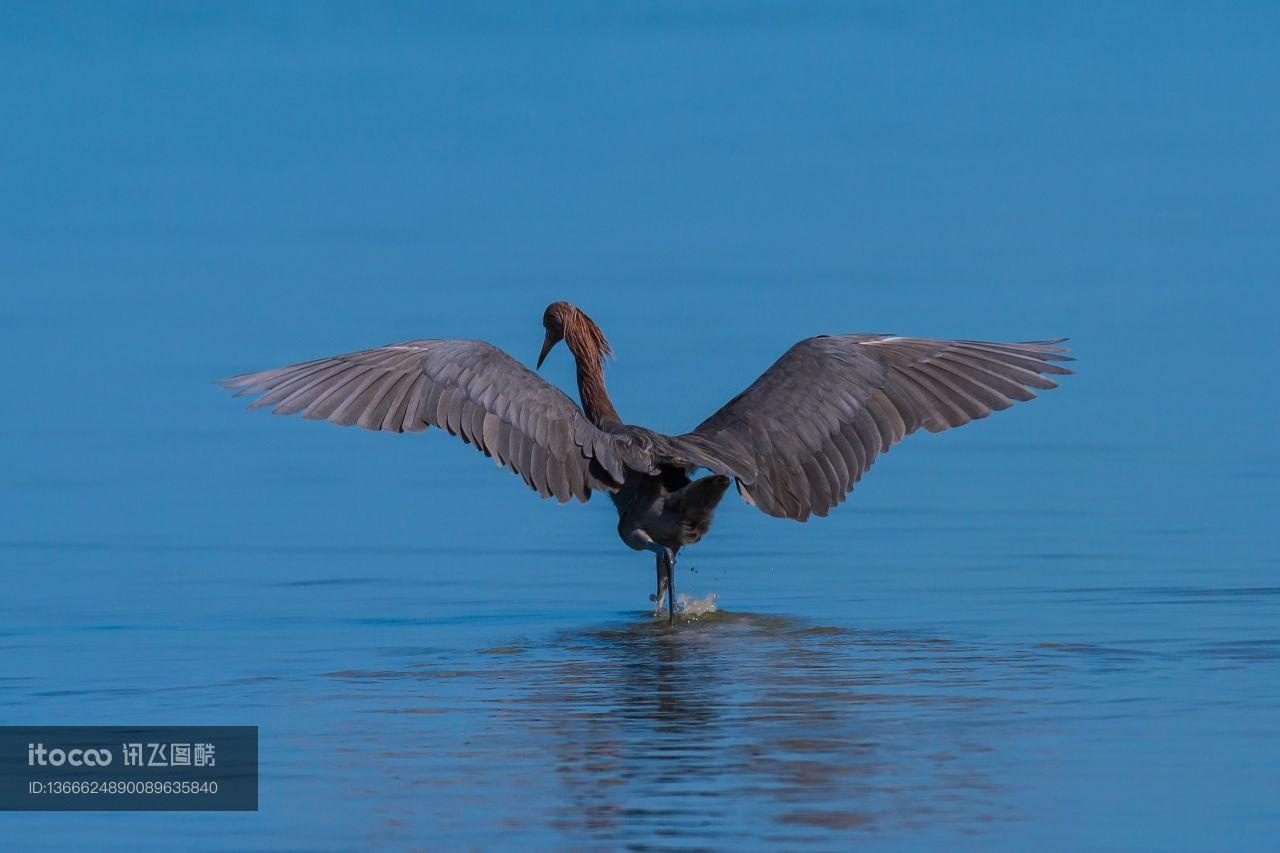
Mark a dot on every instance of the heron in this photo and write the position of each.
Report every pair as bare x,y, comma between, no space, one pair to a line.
795,442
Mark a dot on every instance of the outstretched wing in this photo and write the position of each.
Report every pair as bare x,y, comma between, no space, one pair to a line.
816,420
473,390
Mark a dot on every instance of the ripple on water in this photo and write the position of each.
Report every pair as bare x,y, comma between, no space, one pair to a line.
637,727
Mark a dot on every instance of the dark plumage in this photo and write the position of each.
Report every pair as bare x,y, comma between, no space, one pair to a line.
796,441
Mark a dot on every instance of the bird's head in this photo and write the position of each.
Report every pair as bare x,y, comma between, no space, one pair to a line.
567,322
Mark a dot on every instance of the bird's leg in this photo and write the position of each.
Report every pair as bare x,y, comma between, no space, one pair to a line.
666,560
670,559
662,583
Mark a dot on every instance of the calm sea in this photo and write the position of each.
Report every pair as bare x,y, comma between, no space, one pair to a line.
1056,629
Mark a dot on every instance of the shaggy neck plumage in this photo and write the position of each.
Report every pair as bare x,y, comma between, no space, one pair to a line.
589,348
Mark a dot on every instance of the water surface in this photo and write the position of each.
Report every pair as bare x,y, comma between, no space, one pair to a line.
1055,629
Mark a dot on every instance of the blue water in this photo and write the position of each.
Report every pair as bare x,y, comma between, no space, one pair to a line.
1056,629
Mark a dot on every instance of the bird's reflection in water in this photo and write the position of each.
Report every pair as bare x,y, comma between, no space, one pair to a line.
758,726
731,728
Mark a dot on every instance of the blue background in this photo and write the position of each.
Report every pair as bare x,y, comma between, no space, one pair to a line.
1076,603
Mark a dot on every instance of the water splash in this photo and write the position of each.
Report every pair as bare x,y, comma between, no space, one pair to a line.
689,607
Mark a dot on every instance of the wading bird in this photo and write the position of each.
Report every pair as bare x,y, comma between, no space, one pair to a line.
795,442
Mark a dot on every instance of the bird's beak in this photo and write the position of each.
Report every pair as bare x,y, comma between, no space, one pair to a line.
547,343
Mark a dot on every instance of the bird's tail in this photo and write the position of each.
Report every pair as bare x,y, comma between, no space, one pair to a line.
695,504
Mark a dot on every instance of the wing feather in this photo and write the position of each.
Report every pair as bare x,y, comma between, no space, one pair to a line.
472,390
800,436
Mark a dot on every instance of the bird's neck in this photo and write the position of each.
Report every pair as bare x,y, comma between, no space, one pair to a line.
595,398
